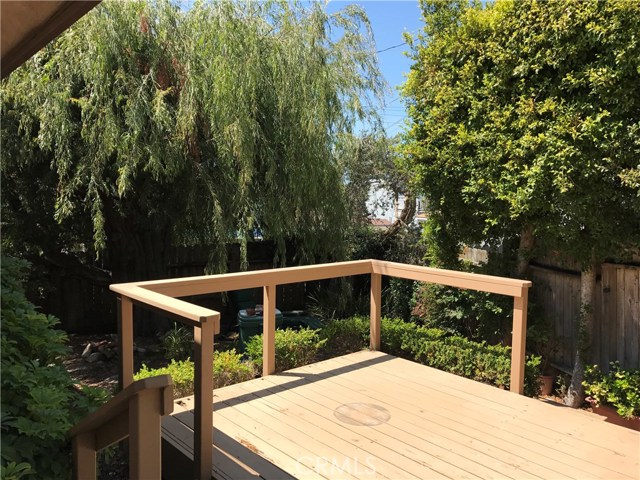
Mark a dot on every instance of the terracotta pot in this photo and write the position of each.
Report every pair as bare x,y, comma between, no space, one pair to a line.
546,384
610,415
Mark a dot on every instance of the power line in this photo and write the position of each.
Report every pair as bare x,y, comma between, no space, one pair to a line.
392,47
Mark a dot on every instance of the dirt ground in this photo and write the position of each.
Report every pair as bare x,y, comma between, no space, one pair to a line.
104,373
113,464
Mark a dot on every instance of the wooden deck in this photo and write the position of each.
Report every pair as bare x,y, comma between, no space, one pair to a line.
372,415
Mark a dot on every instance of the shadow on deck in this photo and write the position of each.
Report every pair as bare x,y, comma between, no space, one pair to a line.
234,459
372,415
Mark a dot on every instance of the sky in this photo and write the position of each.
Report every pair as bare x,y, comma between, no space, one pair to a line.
389,19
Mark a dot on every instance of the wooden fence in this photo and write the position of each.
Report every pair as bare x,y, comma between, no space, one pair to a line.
85,305
616,329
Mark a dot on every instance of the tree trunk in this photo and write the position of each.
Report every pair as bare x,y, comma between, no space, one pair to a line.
575,393
527,242
406,215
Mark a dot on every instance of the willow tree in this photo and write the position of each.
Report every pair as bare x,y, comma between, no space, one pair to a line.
526,127
147,125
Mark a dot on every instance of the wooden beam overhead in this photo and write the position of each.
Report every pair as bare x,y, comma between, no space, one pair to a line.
27,26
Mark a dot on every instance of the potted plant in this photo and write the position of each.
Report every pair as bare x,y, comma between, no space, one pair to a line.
542,343
615,395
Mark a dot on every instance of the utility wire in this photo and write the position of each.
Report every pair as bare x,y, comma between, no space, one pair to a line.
392,47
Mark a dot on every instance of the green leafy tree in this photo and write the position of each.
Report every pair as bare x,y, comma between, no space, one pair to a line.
526,131
145,126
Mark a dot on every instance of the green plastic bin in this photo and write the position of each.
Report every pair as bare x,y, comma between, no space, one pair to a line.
251,325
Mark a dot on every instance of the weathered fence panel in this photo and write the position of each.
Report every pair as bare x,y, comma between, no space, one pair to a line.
85,305
616,328
621,301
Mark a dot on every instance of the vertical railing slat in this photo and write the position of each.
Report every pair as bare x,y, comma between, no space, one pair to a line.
375,310
203,397
125,344
519,342
269,330
84,456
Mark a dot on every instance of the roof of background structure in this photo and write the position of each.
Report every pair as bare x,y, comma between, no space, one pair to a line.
28,26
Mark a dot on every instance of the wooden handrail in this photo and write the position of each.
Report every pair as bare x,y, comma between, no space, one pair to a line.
134,412
452,278
162,295
183,287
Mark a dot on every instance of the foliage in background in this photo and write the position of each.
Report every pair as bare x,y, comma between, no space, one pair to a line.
346,297
228,368
39,400
525,132
507,100
619,388
146,125
472,314
177,343
435,348
368,163
337,298
294,348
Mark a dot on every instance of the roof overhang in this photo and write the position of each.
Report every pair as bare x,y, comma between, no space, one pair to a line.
27,26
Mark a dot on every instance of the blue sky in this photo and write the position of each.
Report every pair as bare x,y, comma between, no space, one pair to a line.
389,19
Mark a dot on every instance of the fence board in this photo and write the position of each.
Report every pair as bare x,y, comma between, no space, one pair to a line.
632,309
621,314
616,327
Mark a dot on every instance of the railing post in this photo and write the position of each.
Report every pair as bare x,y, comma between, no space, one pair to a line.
375,311
519,341
269,330
145,417
125,344
84,456
203,396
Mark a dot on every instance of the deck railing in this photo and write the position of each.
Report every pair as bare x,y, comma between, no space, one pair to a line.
134,413
162,296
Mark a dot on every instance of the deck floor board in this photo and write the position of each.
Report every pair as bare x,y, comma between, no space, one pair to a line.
372,415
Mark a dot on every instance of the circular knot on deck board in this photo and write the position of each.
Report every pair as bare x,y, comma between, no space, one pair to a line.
366,414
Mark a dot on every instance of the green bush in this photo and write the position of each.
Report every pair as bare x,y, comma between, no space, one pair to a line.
432,347
177,343
39,400
475,315
620,388
294,348
404,245
345,336
228,368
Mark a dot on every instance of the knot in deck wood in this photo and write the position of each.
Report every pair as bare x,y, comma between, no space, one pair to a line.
363,414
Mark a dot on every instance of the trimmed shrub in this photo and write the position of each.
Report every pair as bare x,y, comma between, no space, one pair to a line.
228,368
345,336
432,347
294,348
39,400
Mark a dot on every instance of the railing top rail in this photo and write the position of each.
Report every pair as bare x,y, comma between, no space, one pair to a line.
206,284
155,292
485,283
185,310
120,402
